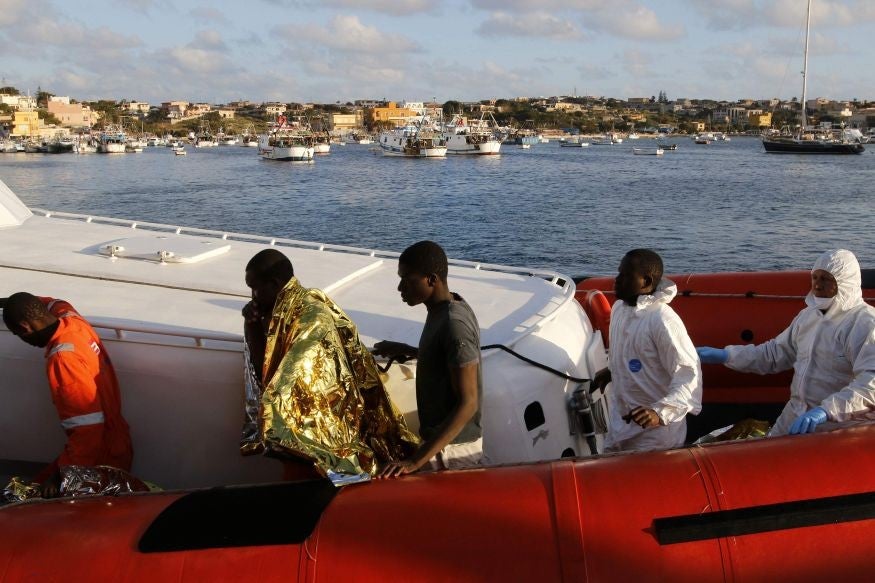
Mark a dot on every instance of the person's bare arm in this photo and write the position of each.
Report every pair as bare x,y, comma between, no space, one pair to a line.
464,383
397,350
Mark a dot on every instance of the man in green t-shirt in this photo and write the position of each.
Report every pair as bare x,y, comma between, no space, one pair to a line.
449,384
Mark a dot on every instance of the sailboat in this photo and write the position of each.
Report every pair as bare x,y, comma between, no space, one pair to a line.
805,141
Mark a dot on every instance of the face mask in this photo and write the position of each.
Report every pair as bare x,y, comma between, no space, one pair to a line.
823,303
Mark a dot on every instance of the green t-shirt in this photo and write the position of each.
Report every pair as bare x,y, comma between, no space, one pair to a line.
450,339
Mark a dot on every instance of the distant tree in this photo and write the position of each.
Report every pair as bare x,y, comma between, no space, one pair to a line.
6,108
451,107
42,98
109,110
47,117
9,90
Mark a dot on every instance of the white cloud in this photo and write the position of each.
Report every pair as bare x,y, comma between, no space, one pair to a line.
395,7
620,18
528,25
748,14
390,7
347,34
210,40
591,72
638,63
633,22
208,15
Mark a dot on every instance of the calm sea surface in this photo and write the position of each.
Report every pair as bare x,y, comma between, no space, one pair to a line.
725,206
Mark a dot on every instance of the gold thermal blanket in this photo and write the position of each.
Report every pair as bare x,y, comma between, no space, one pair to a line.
321,397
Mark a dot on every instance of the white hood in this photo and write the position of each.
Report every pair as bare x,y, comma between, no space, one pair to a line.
843,266
664,293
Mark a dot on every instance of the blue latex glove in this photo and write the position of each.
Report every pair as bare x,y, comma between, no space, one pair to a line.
710,355
806,422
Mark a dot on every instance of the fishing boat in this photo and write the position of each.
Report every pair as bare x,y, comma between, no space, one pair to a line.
60,145
167,299
356,138
804,140
112,140
224,139
179,151
574,143
648,151
287,141
524,135
249,139
321,143
465,137
417,139
205,138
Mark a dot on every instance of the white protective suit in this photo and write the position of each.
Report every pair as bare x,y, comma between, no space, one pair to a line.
653,364
832,354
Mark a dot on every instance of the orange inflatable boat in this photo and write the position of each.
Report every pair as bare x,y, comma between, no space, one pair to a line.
795,509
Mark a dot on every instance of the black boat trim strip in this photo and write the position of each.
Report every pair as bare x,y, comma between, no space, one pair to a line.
764,518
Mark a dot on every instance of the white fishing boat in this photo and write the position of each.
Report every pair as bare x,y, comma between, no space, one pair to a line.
648,151
357,138
287,142
633,136
167,299
179,151
205,138
112,140
415,140
475,137
321,143
249,139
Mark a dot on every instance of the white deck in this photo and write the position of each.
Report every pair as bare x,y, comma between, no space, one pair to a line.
61,256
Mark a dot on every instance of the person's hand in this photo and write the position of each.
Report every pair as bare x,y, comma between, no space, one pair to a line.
397,350
51,487
644,417
250,313
397,469
601,379
710,355
808,421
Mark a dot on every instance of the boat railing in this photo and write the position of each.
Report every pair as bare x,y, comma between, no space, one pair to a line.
566,284
159,335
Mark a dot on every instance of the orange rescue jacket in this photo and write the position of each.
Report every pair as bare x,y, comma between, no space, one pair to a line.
86,393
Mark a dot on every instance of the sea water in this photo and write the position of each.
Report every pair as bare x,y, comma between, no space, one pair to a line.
726,206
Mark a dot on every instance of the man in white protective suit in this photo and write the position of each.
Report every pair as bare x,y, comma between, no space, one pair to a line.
830,345
654,369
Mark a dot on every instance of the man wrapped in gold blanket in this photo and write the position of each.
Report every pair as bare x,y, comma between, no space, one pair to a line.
313,391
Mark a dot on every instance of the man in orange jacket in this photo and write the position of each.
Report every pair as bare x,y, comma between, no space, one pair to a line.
83,384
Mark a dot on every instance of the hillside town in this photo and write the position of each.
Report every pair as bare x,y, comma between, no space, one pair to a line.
47,116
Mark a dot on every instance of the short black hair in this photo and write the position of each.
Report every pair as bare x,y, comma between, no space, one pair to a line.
23,307
269,264
426,257
648,262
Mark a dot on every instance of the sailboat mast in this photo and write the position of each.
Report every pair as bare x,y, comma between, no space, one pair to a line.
805,65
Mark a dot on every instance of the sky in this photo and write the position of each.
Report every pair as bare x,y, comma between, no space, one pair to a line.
327,51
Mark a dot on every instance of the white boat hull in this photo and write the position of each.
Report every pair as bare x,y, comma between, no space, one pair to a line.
293,153
111,148
322,148
459,145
